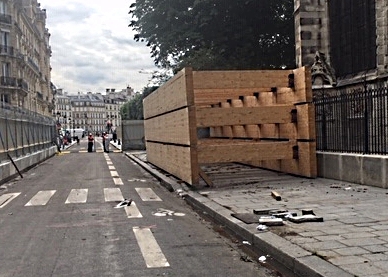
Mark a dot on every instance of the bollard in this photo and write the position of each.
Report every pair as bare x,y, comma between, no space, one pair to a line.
118,142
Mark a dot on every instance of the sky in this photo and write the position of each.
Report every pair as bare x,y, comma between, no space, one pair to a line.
93,48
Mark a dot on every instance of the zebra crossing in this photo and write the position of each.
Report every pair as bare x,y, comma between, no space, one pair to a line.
79,196
150,250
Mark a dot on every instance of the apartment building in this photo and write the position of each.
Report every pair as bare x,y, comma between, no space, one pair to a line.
90,111
25,79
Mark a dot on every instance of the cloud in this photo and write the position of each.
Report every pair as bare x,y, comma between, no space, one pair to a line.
93,47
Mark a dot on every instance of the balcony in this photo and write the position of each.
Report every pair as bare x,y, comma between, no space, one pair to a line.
5,18
13,82
6,50
8,81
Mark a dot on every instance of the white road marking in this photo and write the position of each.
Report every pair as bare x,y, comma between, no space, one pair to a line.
6,198
113,194
118,181
150,249
114,173
77,196
147,194
41,198
132,211
109,163
111,167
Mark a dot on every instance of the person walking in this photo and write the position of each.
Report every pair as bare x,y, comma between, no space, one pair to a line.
103,140
106,143
90,142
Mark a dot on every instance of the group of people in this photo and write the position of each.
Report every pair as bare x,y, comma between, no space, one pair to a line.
105,142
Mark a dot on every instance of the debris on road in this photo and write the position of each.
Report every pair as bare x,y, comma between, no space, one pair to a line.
276,195
124,203
262,227
305,218
271,221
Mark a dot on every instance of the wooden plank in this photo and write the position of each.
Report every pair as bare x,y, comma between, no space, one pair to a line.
206,178
176,160
240,79
306,121
233,151
252,130
306,164
171,128
303,84
174,94
238,129
227,130
211,117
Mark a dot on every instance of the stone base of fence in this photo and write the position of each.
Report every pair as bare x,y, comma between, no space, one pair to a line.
370,170
8,170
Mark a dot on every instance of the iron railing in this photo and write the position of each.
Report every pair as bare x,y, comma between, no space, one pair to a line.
352,121
23,132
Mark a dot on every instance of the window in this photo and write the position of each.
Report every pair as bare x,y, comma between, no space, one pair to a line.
5,71
3,7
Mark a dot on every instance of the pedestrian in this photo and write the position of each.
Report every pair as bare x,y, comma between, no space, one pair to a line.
106,142
90,142
114,136
103,140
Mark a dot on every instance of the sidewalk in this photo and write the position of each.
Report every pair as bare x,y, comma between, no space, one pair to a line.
352,240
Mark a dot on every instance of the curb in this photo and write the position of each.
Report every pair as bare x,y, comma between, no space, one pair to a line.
296,259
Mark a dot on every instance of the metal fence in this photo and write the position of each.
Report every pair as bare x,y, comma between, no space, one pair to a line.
353,121
23,132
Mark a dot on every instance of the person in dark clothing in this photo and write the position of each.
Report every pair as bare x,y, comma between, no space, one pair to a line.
103,140
90,142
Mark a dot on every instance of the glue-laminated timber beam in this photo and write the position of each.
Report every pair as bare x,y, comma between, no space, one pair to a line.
212,117
240,79
214,96
175,94
179,161
248,151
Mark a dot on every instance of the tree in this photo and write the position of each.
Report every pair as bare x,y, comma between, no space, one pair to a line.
133,109
216,34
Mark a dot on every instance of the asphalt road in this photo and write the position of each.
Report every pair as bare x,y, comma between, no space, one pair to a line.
62,219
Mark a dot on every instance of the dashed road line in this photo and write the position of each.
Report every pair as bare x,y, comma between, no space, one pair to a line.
118,181
132,211
152,254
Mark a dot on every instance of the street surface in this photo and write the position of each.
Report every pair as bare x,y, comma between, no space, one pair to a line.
63,219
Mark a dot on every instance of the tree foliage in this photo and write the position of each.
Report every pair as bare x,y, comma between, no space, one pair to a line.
133,109
216,34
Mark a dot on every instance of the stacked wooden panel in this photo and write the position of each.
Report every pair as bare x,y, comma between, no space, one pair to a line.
169,127
263,118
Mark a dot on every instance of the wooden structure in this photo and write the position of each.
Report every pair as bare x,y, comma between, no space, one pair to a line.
263,118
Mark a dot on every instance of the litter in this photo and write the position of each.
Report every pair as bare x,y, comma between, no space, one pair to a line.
262,227
246,242
262,259
305,218
124,203
271,221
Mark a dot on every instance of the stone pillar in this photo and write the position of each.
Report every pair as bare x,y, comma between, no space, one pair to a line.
312,41
311,30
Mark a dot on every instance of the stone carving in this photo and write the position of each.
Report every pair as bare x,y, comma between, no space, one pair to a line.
321,70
